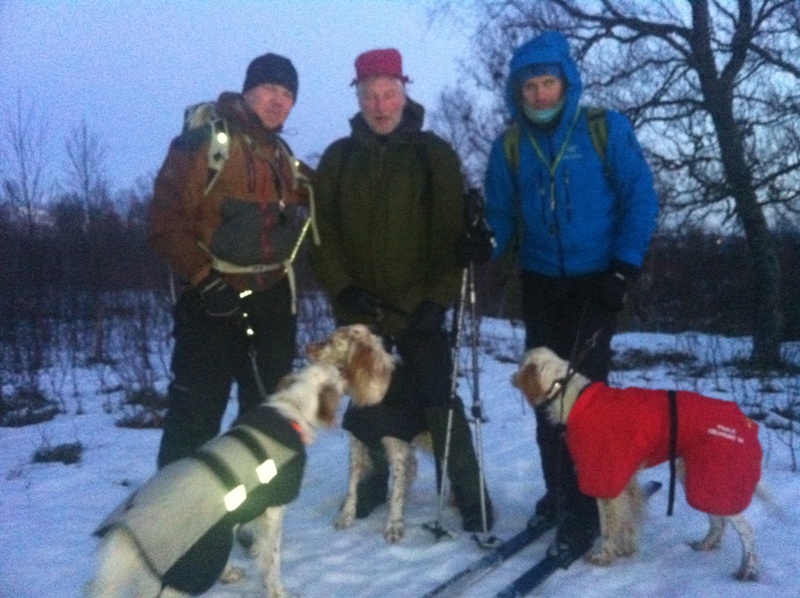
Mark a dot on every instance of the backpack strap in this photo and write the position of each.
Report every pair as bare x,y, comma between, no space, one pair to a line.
205,115
199,116
597,121
598,130
511,147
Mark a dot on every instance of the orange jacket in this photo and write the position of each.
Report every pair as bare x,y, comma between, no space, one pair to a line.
250,215
613,432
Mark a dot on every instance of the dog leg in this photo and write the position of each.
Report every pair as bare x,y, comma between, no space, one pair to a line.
614,521
620,518
631,520
400,454
359,465
609,512
748,570
267,550
713,539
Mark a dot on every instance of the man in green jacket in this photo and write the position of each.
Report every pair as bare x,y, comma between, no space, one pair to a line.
389,213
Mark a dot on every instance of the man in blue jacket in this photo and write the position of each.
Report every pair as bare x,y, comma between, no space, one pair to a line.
581,223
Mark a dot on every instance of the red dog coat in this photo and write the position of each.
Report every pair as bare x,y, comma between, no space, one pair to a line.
613,432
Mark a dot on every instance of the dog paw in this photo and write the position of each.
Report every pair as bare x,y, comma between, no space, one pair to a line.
394,531
746,573
280,592
704,545
231,574
343,520
602,557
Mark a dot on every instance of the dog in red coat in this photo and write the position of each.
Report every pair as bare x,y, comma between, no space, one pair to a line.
612,433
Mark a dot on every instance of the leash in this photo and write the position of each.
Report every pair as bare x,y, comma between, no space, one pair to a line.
559,389
251,351
672,397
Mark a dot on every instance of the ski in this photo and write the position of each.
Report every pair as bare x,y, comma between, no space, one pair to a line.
490,561
553,561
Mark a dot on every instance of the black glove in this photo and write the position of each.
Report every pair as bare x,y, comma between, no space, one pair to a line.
219,298
612,291
427,318
358,300
475,248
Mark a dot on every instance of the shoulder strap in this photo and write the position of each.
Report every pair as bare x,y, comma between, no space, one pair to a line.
511,147
202,115
598,130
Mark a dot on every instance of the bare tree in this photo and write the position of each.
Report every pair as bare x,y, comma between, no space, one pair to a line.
23,279
87,183
712,87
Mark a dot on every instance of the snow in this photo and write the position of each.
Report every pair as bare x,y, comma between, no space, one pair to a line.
48,511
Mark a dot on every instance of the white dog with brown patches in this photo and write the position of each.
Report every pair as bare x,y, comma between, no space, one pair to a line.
611,433
345,346
172,537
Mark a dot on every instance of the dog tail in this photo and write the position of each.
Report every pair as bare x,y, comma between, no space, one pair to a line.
776,510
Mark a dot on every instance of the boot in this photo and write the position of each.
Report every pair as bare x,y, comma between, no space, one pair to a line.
462,466
579,527
373,489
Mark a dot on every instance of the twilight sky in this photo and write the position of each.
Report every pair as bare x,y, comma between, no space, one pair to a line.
130,67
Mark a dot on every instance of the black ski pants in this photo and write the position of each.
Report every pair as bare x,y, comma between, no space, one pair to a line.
559,313
212,353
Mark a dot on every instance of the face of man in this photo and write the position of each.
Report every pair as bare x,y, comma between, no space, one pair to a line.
271,103
542,92
381,100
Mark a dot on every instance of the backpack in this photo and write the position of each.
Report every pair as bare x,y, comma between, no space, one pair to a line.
204,114
203,119
598,130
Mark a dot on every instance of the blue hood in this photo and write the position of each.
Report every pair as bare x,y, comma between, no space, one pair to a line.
550,46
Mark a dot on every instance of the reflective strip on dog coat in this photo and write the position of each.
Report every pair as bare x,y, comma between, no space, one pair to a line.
613,432
178,518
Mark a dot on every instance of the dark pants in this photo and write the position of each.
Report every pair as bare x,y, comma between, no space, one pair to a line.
559,314
418,399
210,354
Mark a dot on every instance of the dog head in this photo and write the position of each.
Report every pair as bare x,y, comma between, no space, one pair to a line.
360,357
310,397
540,371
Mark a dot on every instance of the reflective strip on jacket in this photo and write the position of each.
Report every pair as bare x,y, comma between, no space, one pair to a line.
178,518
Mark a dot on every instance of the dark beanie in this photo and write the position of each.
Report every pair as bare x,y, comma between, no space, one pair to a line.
271,68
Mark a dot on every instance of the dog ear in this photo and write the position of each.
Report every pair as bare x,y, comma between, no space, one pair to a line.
330,395
368,372
528,380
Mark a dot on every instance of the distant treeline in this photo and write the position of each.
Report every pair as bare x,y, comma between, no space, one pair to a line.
65,264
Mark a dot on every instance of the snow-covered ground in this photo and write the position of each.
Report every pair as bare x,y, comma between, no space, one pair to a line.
48,511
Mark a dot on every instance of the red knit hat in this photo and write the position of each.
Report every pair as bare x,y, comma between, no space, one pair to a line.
379,63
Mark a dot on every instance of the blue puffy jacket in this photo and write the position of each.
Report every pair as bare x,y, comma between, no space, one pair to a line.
575,220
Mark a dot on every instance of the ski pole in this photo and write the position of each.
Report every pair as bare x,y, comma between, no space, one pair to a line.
436,527
486,539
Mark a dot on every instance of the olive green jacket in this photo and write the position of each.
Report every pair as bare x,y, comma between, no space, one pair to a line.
389,212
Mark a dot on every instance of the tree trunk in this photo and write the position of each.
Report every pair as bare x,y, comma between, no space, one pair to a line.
718,93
